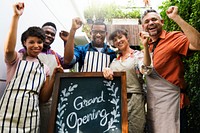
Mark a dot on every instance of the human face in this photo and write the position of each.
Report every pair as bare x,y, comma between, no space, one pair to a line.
98,34
50,33
120,42
152,24
34,46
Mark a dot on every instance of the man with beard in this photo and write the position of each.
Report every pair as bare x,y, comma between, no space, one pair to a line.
51,59
92,57
166,82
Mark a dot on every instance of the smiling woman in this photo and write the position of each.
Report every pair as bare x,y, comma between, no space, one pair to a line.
36,13
21,68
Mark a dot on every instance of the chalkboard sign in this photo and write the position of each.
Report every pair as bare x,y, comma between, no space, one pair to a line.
88,103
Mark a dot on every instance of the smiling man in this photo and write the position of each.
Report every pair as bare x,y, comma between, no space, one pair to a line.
92,57
52,59
166,84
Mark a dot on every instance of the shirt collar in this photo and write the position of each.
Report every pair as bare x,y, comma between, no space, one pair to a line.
120,55
104,47
162,36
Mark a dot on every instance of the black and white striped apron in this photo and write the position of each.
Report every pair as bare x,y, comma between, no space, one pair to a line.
19,106
95,61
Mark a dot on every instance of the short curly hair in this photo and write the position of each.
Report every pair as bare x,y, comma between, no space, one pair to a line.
49,24
33,31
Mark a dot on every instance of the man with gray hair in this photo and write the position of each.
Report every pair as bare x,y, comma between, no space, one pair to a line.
166,82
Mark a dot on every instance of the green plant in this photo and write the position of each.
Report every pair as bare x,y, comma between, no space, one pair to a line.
109,11
86,29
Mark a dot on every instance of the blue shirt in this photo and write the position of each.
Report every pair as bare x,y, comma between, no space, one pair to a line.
80,52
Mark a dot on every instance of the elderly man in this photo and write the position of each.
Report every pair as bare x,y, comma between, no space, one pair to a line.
166,82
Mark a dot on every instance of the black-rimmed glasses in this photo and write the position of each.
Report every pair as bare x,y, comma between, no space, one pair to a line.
98,31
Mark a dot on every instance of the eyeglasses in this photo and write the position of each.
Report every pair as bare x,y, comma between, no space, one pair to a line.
98,31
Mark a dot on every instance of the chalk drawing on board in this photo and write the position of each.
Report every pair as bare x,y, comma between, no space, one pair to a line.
65,93
114,99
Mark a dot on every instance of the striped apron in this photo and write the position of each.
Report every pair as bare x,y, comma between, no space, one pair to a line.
163,114
19,106
49,60
45,108
95,61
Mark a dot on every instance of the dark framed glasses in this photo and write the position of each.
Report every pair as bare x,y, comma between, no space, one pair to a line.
98,31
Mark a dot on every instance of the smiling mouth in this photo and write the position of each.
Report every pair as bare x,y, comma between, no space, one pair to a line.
36,50
98,40
152,28
49,40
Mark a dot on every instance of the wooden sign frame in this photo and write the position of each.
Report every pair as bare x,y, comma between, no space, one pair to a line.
91,75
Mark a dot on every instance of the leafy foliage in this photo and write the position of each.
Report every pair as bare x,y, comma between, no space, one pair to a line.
189,11
109,11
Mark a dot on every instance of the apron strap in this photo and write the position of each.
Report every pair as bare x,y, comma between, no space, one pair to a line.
155,44
25,55
57,59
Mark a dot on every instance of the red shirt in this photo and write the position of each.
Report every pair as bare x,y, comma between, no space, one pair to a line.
167,56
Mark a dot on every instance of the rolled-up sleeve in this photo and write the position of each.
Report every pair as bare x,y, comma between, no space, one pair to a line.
145,70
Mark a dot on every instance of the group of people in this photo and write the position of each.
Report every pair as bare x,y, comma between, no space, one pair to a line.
26,103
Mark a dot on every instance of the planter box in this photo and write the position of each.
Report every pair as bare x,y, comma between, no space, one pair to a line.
125,21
